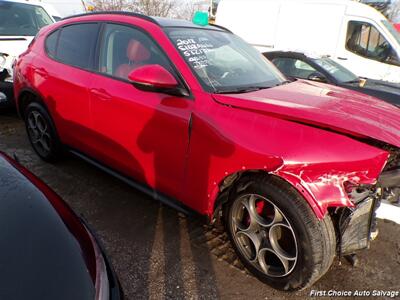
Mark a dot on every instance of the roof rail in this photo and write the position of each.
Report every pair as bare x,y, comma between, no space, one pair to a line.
124,13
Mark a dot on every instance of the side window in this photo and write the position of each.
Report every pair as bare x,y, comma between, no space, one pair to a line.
124,49
293,67
51,43
76,44
365,40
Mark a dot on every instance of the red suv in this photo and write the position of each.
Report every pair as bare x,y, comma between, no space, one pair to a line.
200,120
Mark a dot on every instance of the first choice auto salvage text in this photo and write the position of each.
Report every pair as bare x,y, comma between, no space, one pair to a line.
356,293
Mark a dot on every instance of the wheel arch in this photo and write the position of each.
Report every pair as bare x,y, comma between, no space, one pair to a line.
221,192
27,96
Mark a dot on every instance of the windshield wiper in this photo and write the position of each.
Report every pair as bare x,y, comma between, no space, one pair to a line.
285,82
353,81
243,90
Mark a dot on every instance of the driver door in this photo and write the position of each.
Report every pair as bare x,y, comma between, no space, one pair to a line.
142,134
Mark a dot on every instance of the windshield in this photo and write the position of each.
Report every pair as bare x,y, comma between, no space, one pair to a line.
223,62
340,73
21,19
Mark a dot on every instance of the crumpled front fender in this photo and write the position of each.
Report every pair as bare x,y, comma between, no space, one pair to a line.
324,186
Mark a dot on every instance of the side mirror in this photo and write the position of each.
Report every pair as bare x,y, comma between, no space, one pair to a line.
317,76
155,78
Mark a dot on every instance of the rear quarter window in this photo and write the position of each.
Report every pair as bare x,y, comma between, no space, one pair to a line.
51,43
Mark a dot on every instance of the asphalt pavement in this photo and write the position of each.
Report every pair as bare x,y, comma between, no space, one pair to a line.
160,254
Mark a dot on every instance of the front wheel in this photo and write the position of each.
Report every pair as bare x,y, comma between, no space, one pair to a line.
276,234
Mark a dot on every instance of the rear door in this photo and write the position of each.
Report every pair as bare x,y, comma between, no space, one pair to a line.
64,76
141,134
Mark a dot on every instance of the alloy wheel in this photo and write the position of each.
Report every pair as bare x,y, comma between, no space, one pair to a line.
39,134
263,235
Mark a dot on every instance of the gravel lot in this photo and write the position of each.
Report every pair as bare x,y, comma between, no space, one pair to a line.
160,254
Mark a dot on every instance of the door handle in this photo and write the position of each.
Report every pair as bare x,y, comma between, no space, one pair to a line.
101,94
342,58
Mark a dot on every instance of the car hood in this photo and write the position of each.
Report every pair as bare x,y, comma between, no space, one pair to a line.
325,106
43,245
385,86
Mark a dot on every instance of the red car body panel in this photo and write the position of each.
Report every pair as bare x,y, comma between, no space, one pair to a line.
187,146
325,106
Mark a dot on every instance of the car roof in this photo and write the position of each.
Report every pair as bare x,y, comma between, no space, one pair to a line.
297,54
167,22
160,21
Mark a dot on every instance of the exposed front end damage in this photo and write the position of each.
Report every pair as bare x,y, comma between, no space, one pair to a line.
355,225
351,198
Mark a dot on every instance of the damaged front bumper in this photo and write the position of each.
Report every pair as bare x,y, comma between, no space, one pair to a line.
356,225
6,80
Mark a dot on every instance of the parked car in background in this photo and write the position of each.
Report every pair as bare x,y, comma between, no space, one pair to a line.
47,251
192,112
324,69
19,22
353,34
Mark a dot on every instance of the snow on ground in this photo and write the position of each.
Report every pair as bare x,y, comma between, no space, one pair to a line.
389,212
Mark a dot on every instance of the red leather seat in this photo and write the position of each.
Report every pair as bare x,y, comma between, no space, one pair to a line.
137,55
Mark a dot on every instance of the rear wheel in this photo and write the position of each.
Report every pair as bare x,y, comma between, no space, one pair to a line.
42,133
277,236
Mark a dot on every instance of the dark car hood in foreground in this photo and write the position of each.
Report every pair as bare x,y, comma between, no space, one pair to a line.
324,106
40,255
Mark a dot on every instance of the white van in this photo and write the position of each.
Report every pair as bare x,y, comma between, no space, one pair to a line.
19,22
352,33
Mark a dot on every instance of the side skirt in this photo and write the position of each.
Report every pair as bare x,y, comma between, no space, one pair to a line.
171,202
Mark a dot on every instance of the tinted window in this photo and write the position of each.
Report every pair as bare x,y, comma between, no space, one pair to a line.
124,49
51,43
76,44
293,67
365,40
22,19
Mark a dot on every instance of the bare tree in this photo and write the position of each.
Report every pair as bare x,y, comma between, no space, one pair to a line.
108,5
395,11
162,8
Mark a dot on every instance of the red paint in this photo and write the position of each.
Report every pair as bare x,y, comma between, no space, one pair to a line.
146,135
397,26
153,75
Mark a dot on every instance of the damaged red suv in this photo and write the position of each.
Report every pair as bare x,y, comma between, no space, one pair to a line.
200,120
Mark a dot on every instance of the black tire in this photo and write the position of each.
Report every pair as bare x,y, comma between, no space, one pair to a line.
45,141
313,240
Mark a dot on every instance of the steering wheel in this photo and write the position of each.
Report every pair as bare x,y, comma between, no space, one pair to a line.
383,51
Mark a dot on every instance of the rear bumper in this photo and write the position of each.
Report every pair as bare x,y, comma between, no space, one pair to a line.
6,94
